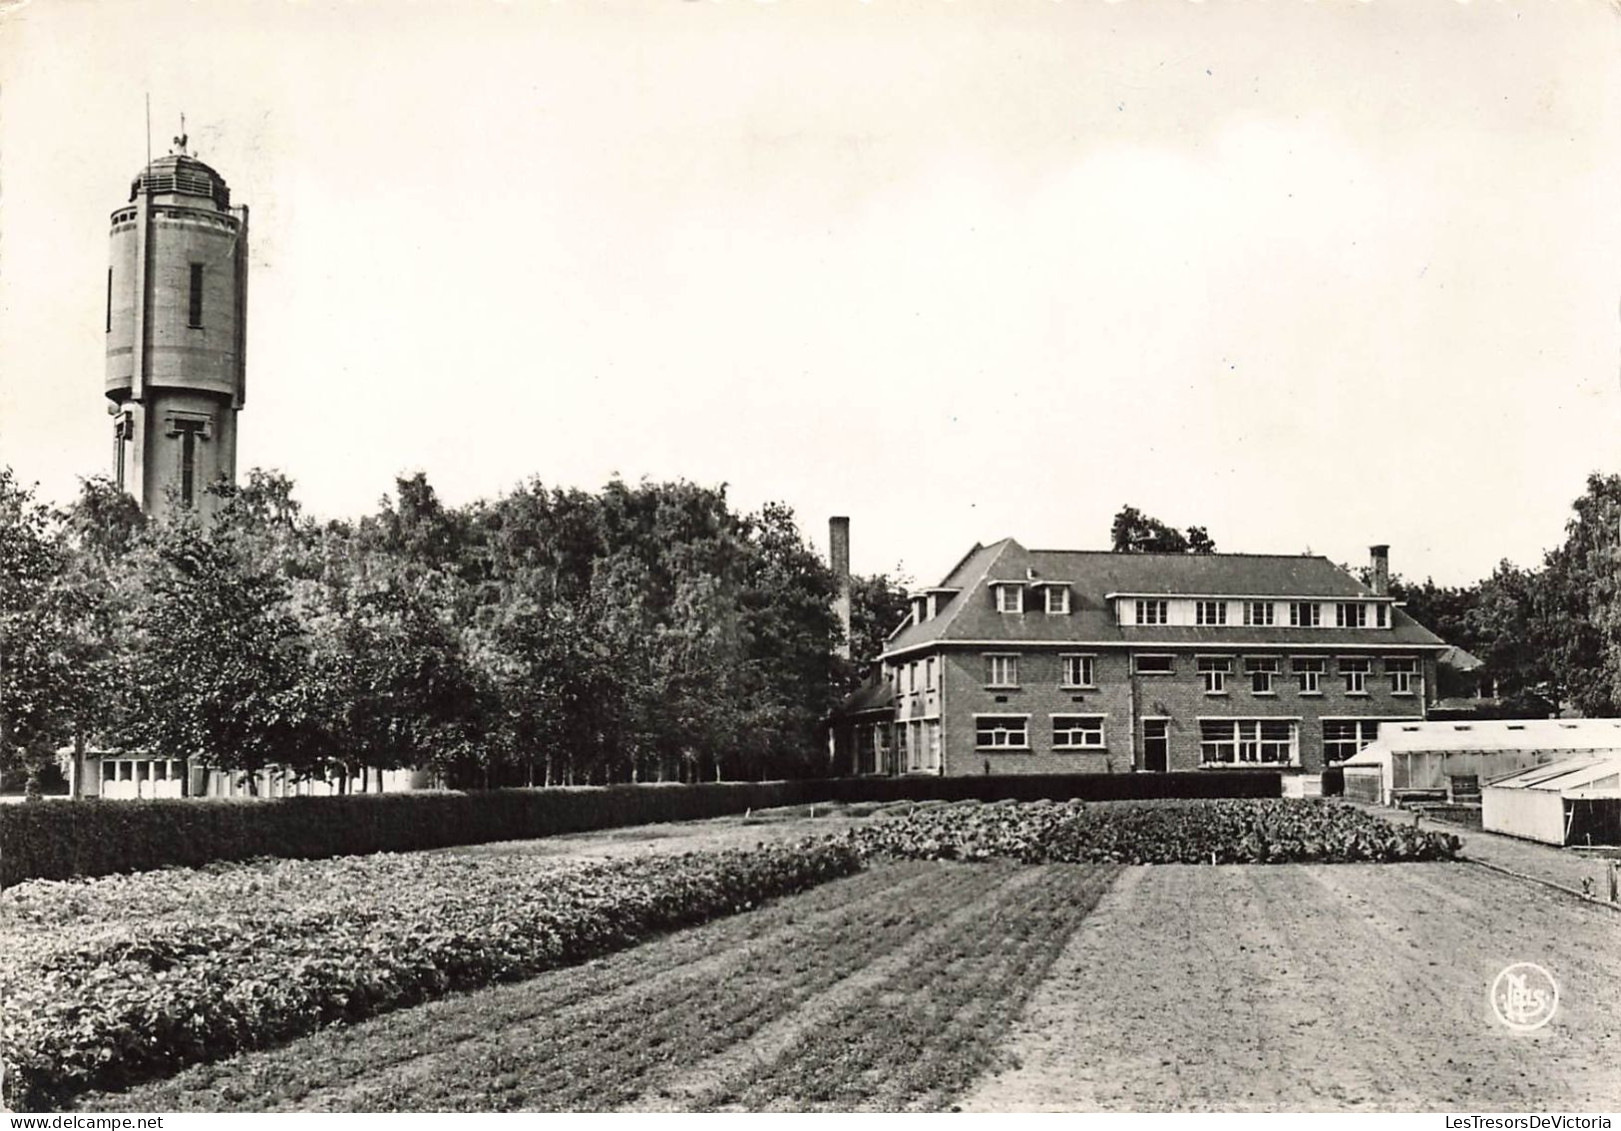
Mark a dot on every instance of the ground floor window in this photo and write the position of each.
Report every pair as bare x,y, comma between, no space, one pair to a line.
1343,738
1249,742
1077,732
1002,732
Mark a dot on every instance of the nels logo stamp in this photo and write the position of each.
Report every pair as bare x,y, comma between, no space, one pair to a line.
1524,996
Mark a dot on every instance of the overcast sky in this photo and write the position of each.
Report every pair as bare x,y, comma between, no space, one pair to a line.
1311,275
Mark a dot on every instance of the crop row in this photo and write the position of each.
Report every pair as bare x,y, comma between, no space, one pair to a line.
226,962
1213,831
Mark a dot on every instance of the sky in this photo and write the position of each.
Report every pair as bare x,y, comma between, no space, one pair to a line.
1311,275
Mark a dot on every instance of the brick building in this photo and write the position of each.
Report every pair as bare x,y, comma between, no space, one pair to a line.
1060,661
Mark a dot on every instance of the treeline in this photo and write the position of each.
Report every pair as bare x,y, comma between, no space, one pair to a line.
646,632
1549,636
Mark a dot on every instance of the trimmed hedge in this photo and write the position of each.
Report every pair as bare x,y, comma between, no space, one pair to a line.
56,840
1059,787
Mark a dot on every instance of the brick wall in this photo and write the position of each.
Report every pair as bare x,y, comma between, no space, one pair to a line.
1120,696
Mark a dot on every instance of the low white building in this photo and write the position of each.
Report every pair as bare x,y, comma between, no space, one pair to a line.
1454,760
1573,801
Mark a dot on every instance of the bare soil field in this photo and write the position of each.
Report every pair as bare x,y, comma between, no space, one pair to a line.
1319,988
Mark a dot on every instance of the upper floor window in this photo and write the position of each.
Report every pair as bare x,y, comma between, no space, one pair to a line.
1309,674
1258,612
911,677
1003,670
1401,672
1010,598
194,308
1355,672
1262,670
1381,616
1153,665
1211,612
1213,671
109,300
1078,671
1153,612
928,673
1351,614
1305,614
1057,598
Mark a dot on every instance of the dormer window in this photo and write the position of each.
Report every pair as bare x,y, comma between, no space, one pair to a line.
1009,597
1058,599
920,610
1153,612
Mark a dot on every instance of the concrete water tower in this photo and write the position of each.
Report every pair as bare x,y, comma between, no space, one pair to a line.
176,333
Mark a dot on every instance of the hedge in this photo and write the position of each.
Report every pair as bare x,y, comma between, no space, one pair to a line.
59,839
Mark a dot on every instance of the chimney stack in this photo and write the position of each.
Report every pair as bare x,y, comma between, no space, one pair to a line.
838,554
1379,560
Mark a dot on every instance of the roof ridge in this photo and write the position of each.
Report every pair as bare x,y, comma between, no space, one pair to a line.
1185,554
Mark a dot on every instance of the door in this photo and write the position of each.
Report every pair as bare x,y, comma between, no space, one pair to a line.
1157,745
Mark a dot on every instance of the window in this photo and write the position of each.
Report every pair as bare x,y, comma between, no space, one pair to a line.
1002,732
1343,738
1258,612
1305,614
1262,671
928,673
1381,615
1153,612
1004,670
1213,670
1401,672
1248,742
1153,665
188,466
1077,732
1309,674
109,300
1350,615
1009,598
1355,672
1211,612
1077,671
1057,598
194,312
911,677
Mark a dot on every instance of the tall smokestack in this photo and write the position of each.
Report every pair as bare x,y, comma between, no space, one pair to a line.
1379,560
838,559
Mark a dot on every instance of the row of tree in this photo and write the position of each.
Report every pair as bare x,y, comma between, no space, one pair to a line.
1549,635
645,632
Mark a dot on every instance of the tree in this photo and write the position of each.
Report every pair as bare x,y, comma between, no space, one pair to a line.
224,674
1134,532
40,669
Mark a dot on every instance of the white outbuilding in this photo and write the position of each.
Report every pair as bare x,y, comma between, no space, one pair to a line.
1452,760
1574,801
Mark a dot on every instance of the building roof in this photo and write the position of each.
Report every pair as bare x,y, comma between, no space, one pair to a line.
183,174
1459,660
1597,774
1093,576
1602,735
876,694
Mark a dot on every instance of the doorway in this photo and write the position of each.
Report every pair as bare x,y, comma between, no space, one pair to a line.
1157,745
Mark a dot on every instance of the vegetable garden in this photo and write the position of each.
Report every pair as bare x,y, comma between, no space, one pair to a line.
112,981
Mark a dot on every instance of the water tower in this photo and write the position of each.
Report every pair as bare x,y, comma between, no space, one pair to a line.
177,293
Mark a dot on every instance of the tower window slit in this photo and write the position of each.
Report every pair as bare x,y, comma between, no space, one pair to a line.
195,312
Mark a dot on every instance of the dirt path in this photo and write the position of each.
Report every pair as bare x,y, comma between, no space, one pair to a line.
1319,988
